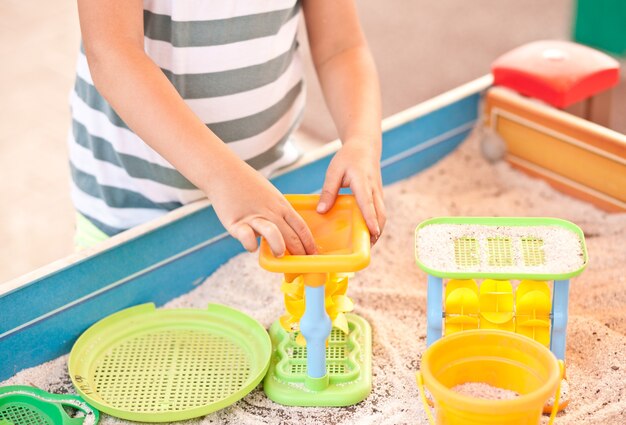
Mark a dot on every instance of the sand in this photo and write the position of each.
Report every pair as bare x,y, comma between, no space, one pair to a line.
485,391
391,295
560,248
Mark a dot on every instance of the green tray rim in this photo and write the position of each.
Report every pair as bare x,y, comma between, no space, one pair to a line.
90,337
503,221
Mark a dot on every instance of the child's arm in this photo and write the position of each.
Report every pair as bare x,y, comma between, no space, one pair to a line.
349,81
246,203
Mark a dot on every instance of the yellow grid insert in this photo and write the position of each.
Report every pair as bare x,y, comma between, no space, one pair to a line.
532,250
500,251
466,252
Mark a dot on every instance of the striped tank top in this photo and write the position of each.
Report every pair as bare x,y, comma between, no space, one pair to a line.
234,62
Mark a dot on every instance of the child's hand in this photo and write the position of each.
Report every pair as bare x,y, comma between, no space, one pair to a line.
348,78
357,167
250,206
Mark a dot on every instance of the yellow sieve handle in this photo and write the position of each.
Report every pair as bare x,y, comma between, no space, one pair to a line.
557,396
420,385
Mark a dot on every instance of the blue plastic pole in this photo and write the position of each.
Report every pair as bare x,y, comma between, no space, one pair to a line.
434,312
315,325
560,299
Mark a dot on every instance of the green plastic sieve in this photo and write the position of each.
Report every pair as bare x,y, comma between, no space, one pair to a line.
166,365
24,405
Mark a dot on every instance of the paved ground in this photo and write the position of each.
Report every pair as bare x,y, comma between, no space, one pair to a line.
422,48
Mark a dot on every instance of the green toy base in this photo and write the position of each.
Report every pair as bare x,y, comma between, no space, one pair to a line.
348,363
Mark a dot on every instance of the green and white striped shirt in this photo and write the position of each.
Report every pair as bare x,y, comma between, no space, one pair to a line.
236,64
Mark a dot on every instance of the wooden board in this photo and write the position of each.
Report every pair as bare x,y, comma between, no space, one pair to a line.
576,156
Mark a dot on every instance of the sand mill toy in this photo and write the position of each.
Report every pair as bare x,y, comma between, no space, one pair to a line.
321,353
516,258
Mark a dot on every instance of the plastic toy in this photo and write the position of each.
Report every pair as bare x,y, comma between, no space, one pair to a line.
23,405
165,365
516,258
333,368
528,310
548,113
499,358
560,73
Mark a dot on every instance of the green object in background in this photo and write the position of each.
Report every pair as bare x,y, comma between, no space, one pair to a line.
348,365
87,234
165,365
601,24
24,405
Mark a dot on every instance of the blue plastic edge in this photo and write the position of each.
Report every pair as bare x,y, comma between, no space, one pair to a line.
41,320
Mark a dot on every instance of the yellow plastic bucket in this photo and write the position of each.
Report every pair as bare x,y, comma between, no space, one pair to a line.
499,358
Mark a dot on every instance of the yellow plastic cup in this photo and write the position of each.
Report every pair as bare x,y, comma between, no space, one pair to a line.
499,358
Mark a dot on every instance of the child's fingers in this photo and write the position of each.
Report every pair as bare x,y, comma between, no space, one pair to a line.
292,240
331,187
365,200
381,213
244,234
271,233
302,231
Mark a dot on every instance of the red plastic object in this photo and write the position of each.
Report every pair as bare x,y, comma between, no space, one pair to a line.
558,72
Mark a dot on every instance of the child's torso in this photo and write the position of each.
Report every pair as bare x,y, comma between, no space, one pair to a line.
235,63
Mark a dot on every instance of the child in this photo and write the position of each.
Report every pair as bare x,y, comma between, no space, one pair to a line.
175,100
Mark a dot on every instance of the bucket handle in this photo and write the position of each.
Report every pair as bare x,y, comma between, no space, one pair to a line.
557,396
420,385
555,406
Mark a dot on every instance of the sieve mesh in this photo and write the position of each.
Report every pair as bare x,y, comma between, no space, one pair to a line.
532,250
171,371
23,415
466,252
500,252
